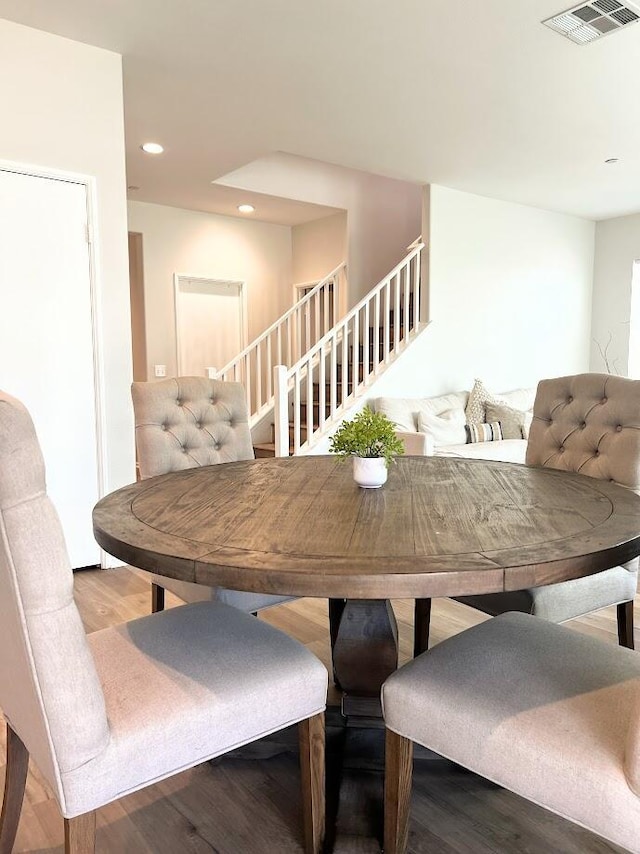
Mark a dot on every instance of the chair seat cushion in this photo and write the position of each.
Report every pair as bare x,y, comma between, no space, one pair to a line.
535,707
187,684
564,601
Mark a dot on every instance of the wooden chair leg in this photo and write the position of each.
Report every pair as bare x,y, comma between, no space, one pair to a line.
625,624
14,785
80,834
311,733
157,598
397,792
421,623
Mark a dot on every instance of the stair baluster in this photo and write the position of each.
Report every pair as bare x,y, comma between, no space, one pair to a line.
353,351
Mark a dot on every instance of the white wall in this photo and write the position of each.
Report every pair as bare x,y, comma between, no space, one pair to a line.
510,294
318,247
383,215
208,246
617,247
62,109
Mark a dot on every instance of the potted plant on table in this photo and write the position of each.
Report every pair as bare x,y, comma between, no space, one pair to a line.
370,438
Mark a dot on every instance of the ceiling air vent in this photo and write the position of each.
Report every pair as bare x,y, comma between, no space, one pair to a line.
591,21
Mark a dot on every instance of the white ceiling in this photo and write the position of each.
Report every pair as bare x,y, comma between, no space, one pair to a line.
473,94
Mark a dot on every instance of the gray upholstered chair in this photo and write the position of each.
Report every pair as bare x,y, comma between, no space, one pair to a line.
552,714
589,423
183,423
109,713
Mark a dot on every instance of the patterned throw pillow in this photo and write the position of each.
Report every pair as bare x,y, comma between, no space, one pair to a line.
478,399
484,432
512,421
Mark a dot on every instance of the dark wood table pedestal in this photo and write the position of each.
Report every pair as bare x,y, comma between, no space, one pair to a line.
365,653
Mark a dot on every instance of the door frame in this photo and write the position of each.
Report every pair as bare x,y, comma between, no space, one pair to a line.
95,292
299,287
242,293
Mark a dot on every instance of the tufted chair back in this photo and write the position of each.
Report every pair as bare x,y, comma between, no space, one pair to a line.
49,688
588,423
186,422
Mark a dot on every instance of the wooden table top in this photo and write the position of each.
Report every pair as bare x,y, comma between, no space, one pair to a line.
439,527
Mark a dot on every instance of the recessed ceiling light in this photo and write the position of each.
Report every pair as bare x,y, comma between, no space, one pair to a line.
246,208
152,148
612,160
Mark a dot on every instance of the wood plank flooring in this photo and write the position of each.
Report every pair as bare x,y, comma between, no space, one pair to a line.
252,806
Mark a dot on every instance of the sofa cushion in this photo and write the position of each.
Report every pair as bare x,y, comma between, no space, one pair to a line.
403,411
446,428
512,421
507,451
519,398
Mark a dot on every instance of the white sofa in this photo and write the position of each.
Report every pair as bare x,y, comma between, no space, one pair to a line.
443,421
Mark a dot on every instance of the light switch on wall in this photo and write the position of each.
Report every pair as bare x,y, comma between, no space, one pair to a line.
160,370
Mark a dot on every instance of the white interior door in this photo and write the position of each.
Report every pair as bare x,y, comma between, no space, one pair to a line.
46,339
209,324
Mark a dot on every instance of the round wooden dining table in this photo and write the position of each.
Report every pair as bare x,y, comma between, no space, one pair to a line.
439,527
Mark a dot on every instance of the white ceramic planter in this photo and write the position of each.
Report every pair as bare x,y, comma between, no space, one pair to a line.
370,472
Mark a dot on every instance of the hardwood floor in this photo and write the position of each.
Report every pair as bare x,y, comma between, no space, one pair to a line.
252,806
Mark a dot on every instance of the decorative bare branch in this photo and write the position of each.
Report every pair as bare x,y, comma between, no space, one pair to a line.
611,365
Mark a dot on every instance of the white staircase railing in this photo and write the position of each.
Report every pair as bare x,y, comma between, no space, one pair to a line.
285,342
313,393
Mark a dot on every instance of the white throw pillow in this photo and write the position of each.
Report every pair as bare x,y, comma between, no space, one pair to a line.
447,428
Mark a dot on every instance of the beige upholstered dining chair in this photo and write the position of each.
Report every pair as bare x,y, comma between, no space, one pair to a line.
109,713
183,423
589,423
549,713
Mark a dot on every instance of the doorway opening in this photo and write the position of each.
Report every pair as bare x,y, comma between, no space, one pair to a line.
211,323
136,292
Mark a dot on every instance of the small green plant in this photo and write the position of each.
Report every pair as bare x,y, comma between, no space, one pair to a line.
370,434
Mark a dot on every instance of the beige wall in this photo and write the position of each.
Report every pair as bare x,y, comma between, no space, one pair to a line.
383,215
318,247
510,289
214,247
62,109
617,247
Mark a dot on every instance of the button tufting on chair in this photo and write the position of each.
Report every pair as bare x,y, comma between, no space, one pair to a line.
555,442
188,405
106,714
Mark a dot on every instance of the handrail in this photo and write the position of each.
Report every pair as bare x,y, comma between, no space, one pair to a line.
343,362
284,342
377,289
328,280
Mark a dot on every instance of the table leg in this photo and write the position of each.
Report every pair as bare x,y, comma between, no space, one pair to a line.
364,654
